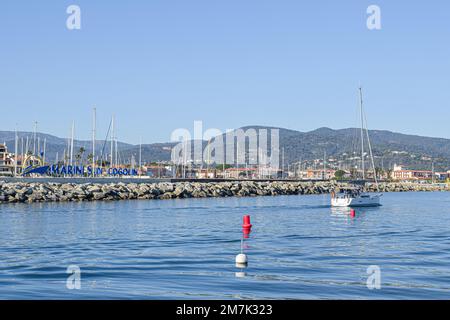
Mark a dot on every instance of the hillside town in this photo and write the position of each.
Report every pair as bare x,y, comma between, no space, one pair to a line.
317,170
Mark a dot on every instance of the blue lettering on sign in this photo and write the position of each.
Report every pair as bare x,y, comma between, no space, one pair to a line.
69,170
79,170
54,169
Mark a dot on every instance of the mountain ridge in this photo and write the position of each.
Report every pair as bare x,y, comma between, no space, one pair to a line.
389,147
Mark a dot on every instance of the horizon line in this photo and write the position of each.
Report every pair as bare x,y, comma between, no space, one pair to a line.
242,127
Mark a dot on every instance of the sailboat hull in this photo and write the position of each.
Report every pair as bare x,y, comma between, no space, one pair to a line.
363,200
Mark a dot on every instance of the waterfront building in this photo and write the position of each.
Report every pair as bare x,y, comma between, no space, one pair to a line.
317,174
206,174
6,161
442,176
266,172
156,171
239,173
401,173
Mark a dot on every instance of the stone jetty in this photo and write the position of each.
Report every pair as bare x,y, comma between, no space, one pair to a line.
11,192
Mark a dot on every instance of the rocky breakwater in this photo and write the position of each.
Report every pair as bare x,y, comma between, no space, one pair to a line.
60,192
406,187
11,192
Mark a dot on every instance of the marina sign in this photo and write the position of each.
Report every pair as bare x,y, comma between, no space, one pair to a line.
79,171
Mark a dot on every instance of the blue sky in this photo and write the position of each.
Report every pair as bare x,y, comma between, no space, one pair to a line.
159,65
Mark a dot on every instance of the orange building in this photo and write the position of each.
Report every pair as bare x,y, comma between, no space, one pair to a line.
318,174
400,173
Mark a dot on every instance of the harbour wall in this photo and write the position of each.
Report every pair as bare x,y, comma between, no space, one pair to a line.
53,191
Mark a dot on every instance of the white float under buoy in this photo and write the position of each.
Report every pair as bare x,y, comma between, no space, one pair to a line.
241,260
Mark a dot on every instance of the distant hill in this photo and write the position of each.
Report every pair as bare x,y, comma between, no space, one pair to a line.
344,145
388,147
55,144
340,145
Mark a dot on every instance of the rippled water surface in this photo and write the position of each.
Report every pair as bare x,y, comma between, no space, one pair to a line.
182,249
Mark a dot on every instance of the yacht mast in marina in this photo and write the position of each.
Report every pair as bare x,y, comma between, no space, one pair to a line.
140,155
362,132
369,145
22,149
112,141
93,140
45,146
71,143
34,138
16,151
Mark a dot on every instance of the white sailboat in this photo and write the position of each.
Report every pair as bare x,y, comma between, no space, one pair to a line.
357,199
354,197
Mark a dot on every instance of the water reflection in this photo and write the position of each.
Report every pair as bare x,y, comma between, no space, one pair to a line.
340,211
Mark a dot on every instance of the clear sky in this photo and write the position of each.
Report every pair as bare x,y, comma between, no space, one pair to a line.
161,64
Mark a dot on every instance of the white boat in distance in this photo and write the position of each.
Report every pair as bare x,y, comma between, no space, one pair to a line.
355,197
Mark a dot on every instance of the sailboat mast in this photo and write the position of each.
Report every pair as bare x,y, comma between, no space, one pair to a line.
16,151
93,139
140,155
71,142
44,152
112,143
34,138
362,131
116,152
364,126
22,151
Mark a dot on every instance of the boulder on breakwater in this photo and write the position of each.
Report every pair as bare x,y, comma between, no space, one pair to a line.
11,192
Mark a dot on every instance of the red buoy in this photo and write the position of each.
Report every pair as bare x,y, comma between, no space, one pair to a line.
246,224
352,213
246,227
